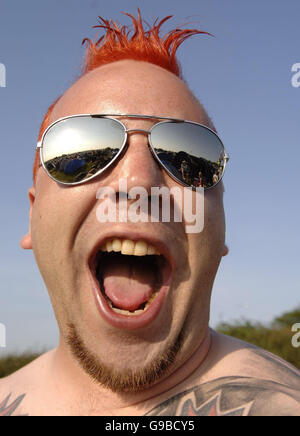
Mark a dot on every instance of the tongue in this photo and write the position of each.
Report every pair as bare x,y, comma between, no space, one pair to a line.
129,282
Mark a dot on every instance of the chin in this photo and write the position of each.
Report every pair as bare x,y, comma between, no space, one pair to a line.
129,377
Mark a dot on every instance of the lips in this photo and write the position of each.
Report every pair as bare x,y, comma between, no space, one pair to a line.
130,279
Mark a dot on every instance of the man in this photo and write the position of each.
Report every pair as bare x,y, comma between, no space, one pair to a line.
134,335
185,171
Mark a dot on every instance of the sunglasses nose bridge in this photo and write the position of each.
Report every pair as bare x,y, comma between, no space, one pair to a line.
142,131
146,132
140,166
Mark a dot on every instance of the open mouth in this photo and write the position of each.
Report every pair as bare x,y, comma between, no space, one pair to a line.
131,276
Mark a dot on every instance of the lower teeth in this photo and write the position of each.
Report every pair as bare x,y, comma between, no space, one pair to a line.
135,312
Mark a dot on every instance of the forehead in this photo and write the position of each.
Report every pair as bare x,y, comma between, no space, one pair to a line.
130,87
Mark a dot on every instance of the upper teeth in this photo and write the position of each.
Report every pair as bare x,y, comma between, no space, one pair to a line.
132,248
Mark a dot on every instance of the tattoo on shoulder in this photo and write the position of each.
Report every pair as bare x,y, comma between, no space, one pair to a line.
8,408
233,396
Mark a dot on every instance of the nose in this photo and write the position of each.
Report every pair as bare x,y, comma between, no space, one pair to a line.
138,164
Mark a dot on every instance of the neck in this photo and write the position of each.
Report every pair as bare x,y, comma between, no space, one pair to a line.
82,395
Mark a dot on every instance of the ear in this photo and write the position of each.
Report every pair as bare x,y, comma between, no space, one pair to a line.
225,250
26,242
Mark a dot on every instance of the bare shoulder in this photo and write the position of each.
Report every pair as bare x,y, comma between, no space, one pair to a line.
231,355
14,389
237,379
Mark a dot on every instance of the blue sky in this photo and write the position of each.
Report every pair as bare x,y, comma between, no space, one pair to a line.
242,75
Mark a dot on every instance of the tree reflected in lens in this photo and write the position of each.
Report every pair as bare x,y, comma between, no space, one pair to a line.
79,166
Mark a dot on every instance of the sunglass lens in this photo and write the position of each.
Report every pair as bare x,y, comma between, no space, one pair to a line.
74,149
190,152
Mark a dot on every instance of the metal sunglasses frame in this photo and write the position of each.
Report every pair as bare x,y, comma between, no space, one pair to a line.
122,148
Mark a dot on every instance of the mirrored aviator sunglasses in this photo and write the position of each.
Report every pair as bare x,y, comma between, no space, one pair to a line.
75,149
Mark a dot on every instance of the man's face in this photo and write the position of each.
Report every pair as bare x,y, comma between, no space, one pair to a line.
66,235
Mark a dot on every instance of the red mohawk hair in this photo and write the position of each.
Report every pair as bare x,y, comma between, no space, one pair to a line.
120,43
143,45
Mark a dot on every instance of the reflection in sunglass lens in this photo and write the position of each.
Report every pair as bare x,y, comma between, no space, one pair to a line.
74,149
190,152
